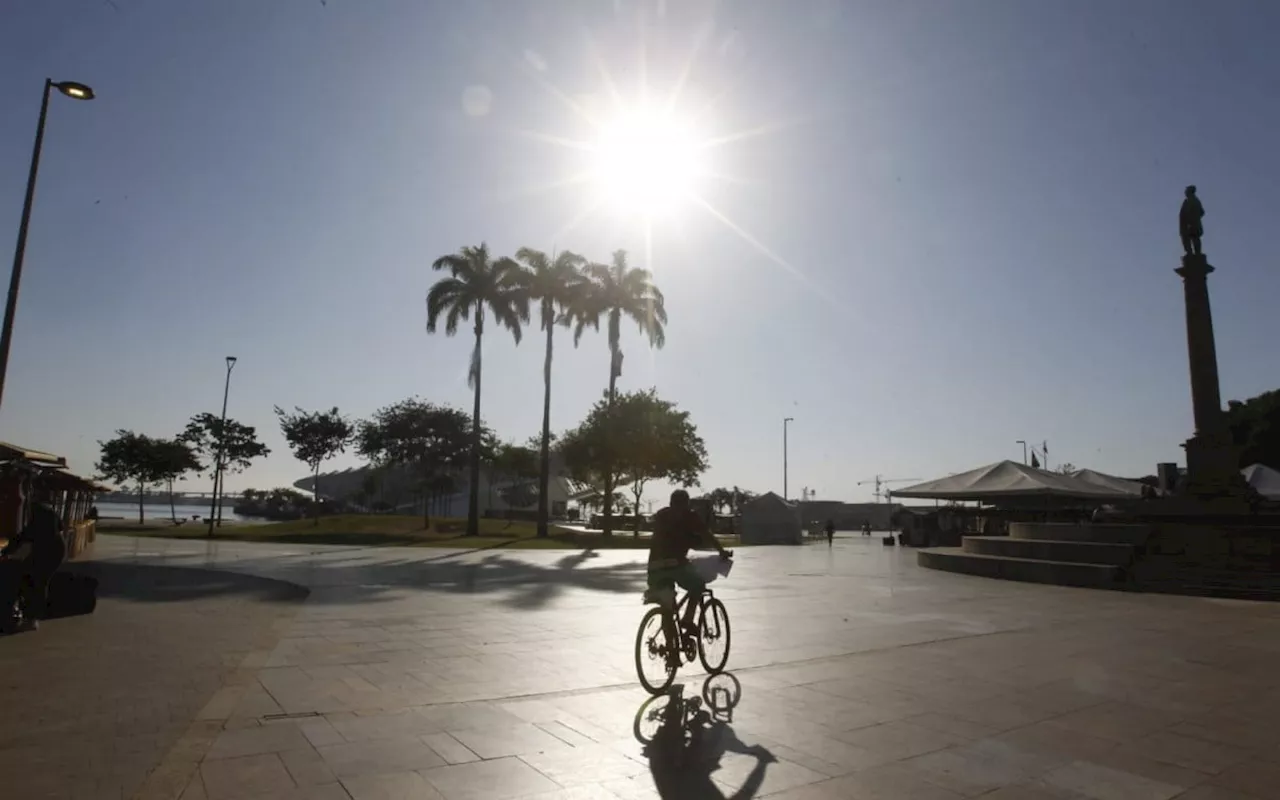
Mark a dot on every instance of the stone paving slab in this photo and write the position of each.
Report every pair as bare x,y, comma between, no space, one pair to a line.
420,673
90,705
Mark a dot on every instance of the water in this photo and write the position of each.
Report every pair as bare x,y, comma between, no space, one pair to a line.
161,511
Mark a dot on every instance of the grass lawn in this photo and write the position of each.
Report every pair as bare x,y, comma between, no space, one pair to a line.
383,529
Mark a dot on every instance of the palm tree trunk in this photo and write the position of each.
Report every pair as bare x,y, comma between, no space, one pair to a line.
222,477
173,512
426,494
607,501
141,486
315,495
473,502
544,468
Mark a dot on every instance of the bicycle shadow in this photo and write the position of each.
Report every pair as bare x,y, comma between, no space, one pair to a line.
685,739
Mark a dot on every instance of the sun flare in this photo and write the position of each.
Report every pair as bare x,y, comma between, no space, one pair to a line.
646,161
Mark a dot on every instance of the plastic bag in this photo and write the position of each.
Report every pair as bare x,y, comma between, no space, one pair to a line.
711,567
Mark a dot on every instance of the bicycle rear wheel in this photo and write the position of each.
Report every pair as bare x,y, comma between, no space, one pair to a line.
649,718
652,648
713,636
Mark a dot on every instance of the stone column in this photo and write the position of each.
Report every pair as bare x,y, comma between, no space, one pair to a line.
1212,460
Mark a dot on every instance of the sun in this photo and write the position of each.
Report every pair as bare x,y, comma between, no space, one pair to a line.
646,161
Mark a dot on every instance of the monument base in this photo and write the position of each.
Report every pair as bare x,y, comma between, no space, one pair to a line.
1213,467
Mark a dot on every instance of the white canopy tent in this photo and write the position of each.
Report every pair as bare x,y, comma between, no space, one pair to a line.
1010,480
768,519
1111,482
1264,479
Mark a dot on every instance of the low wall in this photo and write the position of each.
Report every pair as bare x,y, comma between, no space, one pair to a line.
1228,560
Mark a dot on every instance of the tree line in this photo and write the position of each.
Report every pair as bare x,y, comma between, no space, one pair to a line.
627,439
432,442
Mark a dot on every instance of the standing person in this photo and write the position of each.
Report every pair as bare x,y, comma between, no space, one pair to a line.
831,531
32,557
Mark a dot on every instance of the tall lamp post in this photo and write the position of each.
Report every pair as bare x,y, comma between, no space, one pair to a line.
222,437
785,422
76,91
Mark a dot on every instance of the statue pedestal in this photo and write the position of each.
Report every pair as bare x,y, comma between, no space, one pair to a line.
1213,469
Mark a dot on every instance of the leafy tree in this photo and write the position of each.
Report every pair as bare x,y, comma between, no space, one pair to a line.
1255,428
437,487
561,291
477,284
276,504
132,457
643,437
174,459
1066,468
515,462
740,496
371,485
315,437
237,444
619,290
419,435
721,499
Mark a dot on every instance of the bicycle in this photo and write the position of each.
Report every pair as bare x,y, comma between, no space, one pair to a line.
713,630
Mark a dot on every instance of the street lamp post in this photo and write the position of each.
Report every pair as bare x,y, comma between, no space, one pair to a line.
785,421
77,91
222,437
1024,449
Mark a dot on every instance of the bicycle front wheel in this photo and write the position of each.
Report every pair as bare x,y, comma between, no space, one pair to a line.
713,636
653,668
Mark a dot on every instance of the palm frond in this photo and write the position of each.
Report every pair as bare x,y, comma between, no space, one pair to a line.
445,295
600,274
536,260
456,312
507,314
454,262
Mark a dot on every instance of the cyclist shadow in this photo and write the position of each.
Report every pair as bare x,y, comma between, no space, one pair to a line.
685,739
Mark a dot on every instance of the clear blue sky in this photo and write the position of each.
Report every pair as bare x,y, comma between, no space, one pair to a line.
980,197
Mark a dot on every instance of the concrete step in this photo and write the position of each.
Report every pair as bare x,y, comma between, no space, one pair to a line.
1067,532
1117,555
1062,573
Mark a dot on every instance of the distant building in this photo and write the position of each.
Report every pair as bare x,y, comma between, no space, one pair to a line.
848,516
401,489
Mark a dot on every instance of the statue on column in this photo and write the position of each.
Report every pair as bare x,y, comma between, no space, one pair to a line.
1189,224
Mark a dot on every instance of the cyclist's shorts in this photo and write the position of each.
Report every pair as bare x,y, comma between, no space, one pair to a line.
664,579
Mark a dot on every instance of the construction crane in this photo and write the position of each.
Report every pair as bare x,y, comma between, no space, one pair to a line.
881,481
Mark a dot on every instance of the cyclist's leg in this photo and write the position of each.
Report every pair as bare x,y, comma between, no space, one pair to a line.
688,579
662,588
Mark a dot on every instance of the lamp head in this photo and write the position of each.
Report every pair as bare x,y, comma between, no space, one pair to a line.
231,361
76,91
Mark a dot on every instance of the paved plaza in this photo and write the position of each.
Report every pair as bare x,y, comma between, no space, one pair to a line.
420,673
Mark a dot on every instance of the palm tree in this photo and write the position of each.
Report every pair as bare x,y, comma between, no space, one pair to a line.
560,289
476,283
619,290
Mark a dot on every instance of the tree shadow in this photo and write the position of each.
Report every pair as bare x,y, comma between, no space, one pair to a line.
149,583
352,577
686,737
